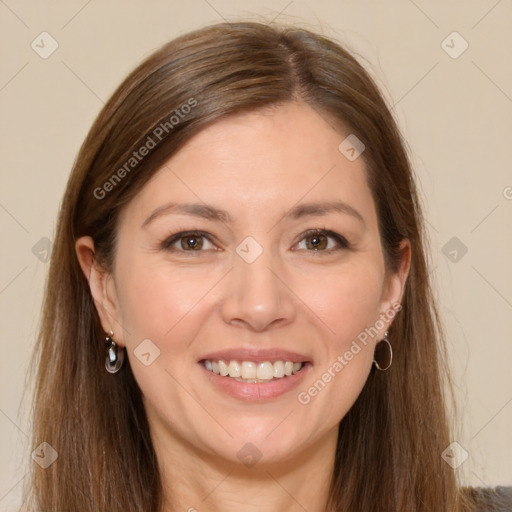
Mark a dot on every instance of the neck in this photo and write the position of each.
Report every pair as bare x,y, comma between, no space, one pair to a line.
194,480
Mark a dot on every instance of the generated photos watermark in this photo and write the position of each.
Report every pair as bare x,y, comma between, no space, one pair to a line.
157,135
305,397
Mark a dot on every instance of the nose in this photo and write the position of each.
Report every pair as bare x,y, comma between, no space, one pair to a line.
257,297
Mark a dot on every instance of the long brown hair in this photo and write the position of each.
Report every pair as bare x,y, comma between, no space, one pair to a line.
388,456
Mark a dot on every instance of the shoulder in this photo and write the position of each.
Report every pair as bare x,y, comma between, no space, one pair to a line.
489,499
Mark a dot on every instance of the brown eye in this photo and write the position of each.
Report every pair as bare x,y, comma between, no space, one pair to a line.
188,242
193,242
316,242
322,241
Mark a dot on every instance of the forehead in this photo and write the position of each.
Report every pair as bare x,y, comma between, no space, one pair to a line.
261,161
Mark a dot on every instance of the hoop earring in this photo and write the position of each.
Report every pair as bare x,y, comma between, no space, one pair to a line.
115,357
386,363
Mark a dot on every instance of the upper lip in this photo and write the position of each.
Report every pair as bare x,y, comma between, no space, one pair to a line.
257,355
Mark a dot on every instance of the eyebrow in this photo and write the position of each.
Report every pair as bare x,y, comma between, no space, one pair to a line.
216,214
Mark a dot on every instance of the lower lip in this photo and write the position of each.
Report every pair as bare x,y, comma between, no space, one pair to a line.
256,392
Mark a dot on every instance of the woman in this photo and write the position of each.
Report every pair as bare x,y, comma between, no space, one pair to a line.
238,308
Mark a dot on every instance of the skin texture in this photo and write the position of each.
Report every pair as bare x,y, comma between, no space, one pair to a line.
257,167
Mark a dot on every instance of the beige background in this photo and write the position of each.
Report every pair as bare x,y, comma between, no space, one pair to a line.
455,114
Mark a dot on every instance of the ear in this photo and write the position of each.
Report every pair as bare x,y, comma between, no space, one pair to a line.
394,287
103,289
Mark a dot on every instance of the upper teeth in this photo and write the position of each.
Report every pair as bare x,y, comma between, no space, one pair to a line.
251,370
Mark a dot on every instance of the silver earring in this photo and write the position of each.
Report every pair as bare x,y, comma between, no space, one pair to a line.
386,361
115,355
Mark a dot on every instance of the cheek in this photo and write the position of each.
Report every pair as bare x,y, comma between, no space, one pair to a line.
159,305
158,302
144,302
145,312
347,299
348,304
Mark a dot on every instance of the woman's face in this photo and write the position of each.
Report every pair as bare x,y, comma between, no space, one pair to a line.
258,283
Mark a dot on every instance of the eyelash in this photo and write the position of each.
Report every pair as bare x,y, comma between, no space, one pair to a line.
340,240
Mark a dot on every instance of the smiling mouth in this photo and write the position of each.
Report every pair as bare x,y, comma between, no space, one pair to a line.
252,372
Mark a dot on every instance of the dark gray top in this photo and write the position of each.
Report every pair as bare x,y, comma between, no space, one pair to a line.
487,499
